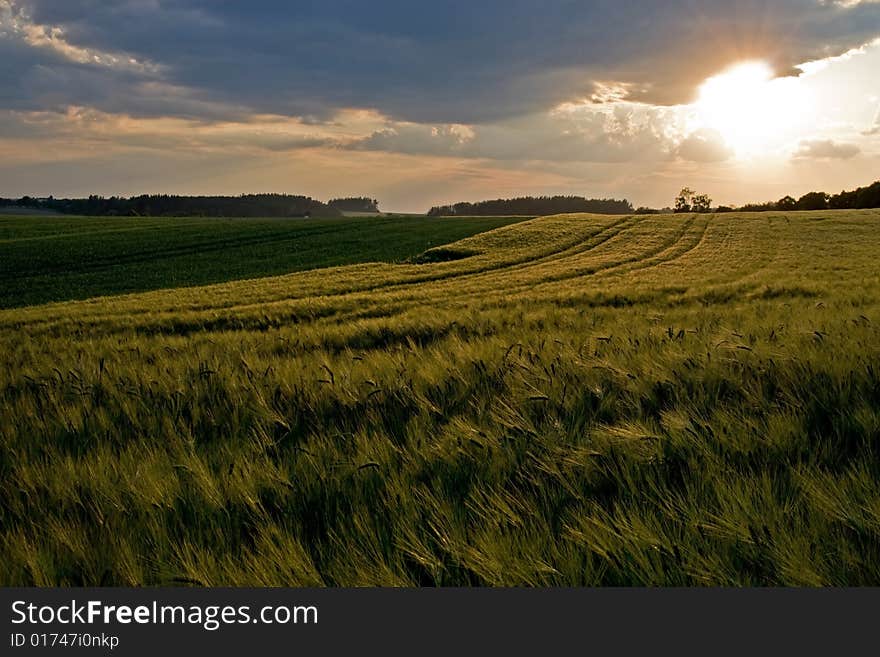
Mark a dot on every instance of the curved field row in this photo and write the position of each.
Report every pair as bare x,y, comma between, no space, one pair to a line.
76,257
538,246
601,250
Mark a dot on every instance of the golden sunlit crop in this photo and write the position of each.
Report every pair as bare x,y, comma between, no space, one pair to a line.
574,400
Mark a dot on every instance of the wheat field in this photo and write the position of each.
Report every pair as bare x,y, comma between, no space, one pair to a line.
570,400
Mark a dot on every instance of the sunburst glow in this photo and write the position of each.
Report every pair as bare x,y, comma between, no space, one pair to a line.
753,111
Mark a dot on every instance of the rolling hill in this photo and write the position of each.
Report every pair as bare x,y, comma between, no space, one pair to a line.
570,400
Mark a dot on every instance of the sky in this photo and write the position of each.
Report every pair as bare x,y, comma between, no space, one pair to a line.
424,103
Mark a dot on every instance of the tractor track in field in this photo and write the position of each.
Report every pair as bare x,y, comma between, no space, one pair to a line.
438,289
583,244
530,286
432,295
594,271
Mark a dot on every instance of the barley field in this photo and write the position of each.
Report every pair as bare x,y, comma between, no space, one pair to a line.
59,258
565,401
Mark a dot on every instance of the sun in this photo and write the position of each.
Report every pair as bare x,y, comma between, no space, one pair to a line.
750,108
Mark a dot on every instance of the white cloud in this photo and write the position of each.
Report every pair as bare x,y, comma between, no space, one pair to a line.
618,132
875,130
704,146
826,149
15,24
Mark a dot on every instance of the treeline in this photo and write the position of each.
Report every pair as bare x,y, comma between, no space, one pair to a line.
530,205
355,204
859,199
247,205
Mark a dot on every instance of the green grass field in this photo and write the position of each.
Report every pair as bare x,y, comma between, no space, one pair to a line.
57,258
571,400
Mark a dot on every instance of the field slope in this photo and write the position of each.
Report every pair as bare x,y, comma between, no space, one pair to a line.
571,400
60,258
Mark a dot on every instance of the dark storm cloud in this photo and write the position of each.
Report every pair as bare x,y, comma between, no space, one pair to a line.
459,61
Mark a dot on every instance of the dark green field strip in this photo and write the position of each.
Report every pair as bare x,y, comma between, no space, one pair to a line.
52,235
54,259
84,254
84,251
13,227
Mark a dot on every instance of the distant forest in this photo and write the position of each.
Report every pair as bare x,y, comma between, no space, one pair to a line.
285,205
531,205
858,199
248,205
355,204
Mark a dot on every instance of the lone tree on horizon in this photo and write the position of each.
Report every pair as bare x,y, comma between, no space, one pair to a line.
689,201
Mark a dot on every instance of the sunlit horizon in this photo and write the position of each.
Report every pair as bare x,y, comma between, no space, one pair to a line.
93,108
